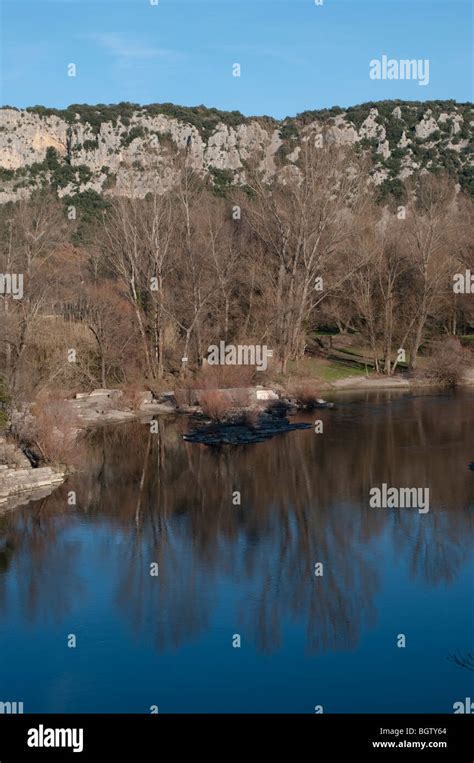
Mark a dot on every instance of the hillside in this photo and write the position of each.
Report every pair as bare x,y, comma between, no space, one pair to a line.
114,149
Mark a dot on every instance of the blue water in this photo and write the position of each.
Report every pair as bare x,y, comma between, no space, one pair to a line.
248,570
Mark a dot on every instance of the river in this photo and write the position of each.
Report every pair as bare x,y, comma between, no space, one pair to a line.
142,583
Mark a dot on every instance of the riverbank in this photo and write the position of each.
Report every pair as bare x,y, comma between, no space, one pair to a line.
106,406
391,382
20,482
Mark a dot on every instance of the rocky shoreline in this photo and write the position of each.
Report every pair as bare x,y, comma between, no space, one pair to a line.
20,482
19,486
102,406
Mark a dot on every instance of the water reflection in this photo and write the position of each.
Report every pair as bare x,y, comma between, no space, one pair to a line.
304,500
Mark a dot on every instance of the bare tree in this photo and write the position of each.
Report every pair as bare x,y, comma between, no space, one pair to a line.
427,237
31,233
304,220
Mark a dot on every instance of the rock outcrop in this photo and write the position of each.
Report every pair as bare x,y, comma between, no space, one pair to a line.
19,481
124,149
265,428
18,486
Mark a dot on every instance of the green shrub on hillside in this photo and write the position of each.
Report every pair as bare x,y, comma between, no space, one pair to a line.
90,207
136,132
222,180
91,145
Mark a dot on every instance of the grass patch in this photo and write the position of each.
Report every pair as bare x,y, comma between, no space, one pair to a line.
333,371
324,370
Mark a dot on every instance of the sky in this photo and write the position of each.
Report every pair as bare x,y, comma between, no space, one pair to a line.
294,55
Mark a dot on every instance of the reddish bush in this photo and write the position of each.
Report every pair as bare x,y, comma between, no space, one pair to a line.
215,404
448,361
51,431
304,394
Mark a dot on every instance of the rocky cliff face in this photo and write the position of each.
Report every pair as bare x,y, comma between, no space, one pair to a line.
127,148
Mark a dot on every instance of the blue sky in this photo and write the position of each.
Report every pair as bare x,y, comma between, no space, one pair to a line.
294,55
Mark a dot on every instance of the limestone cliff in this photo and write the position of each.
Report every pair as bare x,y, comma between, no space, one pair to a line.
129,148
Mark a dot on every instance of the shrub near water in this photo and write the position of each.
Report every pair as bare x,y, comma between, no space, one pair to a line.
216,404
305,395
51,432
448,362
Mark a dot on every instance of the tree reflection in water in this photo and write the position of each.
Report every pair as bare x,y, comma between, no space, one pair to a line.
304,500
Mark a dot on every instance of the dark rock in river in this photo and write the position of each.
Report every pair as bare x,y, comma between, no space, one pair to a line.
242,434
